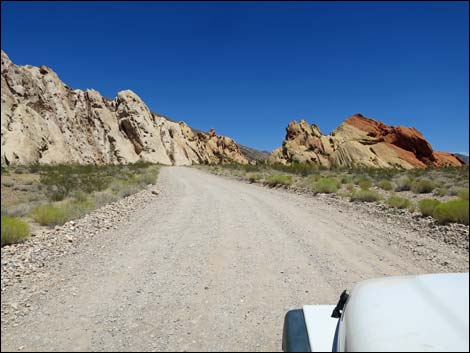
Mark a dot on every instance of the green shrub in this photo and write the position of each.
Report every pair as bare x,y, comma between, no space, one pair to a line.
64,179
326,185
463,194
147,178
403,184
442,191
80,196
422,186
278,179
346,179
13,230
385,185
427,206
365,196
363,182
452,211
398,202
48,215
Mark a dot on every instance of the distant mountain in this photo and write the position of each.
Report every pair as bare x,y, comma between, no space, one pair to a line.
463,157
360,141
45,121
254,154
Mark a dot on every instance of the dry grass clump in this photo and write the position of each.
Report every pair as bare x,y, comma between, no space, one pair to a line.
326,185
365,196
13,230
422,186
398,202
279,179
403,184
452,211
385,185
427,206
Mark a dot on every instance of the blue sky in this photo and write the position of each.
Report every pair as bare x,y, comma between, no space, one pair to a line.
247,69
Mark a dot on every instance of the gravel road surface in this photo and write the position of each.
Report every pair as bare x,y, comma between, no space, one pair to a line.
211,264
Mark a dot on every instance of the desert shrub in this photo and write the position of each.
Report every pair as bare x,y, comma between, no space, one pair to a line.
363,182
34,167
343,194
452,211
299,168
20,170
438,183
452,191
128,190
146,178
252,167
350,187
422,186
278,179
18,210
77,209
326,185
385,185
80,196
13,230
64,179
403,184
398,202
102,198
7,184
463,194
365,196
427,206
346,179
313,178
253,178
442,191
48,215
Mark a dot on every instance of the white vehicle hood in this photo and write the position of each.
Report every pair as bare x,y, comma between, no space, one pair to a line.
415,313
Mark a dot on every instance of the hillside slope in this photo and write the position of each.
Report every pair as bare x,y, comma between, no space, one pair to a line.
45,121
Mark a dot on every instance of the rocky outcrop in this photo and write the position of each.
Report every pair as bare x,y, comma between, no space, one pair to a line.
43,120
360,141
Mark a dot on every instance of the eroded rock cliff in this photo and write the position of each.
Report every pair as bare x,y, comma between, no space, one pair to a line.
360,141
43,120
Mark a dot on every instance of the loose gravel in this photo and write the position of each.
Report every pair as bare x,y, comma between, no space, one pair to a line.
207,263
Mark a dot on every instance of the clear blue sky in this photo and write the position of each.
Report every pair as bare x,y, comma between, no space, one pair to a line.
247,69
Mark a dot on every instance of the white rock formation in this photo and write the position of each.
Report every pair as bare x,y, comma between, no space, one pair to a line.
45,121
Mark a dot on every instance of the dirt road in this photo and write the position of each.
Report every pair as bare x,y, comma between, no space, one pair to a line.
212,264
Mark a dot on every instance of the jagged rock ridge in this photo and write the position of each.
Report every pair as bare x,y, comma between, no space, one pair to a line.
45,121
360,141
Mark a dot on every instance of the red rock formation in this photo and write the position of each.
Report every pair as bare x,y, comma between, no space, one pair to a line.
407,139
361,141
